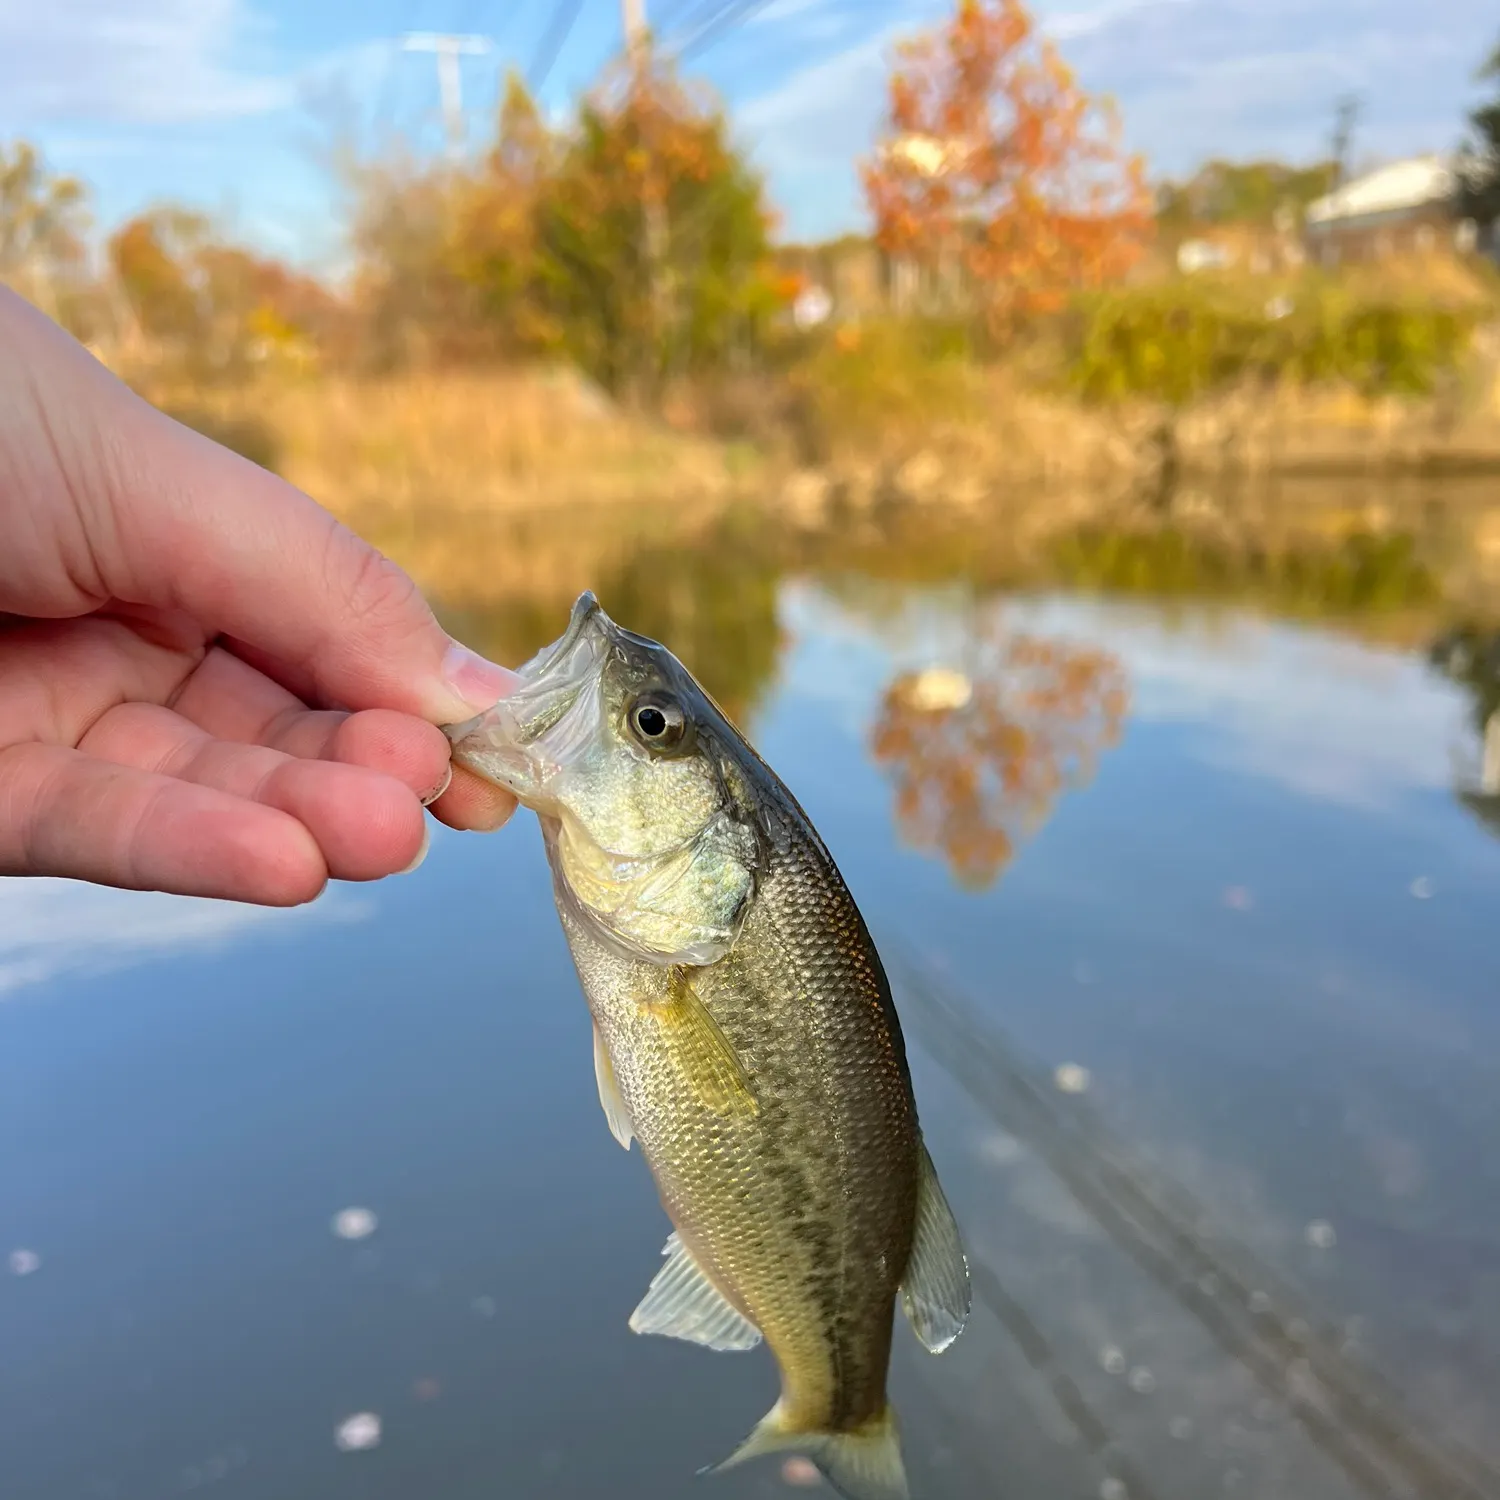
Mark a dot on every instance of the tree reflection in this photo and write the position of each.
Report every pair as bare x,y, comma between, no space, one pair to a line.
1469,656
979,758
709,596
712,602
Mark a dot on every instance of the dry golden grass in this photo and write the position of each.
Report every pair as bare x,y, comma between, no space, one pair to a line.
457,440
484,486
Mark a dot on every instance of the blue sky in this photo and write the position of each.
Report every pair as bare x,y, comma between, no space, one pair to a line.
228,103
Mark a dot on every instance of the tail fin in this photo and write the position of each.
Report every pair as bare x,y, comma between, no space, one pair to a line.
861,1465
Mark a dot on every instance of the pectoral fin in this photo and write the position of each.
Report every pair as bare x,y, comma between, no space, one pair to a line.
935,1293
702,1052
683,1304
613,1105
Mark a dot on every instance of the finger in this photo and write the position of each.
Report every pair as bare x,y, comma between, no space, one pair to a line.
67,814
473,804
163,516
57,676
213,534
366,824
233,701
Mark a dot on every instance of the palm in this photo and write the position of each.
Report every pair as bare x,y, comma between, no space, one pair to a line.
184,766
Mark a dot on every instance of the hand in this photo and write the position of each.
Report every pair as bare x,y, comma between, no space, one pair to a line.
207,685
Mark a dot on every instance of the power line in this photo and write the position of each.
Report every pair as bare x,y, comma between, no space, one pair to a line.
466,15
731,16
563,18
384,98
690,13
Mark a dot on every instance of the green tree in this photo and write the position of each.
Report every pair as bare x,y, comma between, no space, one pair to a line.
416,305
635,307
498,245
1252,192
635,242
447,253
1479,163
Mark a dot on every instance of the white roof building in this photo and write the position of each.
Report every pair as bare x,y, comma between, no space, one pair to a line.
1398,188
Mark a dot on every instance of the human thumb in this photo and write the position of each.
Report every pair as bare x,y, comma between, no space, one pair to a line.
179,522
256,559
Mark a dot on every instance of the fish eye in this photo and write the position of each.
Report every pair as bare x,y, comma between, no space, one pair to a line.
657,720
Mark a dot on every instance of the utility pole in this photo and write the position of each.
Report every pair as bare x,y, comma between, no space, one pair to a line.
1346,115
633,19
448,49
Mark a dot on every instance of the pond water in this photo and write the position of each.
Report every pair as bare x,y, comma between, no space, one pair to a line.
1191,915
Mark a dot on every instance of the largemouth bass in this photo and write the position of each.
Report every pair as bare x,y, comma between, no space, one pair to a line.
744,1034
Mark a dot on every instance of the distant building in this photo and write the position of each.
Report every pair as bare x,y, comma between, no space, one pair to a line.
843,279
1257,248
1404,208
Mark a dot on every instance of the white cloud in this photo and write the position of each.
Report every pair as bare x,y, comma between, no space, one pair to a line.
1084,22
806,21
1193,78
781,11
1260,77
133,62
51,928
827,111
1324,716
809,132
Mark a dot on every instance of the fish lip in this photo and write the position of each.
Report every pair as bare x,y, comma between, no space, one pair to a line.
459,732
503,744
586,609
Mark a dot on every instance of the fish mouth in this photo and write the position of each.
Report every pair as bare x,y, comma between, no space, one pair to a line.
525,739
586,611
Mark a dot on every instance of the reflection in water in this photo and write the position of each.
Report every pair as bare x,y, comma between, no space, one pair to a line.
1470,657
1243,1304
49,928
979,757
711,598
716,609
290,1232
1359,573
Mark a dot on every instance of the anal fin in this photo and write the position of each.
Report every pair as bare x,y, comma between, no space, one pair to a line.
683,1303
702,1052
935,1292
615,1112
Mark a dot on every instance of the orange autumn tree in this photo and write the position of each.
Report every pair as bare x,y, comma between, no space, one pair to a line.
992,155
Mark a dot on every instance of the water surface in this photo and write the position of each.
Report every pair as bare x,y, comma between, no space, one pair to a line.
1214,867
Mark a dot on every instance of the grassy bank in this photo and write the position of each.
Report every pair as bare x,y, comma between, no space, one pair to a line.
525,441
1130,402
458,441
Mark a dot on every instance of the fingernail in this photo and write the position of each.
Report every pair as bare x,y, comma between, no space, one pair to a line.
441,787
475,682
421,853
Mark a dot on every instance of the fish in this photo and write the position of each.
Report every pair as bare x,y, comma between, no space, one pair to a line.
744,1034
